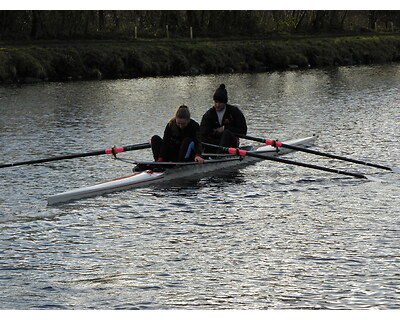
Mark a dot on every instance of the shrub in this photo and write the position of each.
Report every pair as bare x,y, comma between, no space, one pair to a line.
67,63
7,68
26,65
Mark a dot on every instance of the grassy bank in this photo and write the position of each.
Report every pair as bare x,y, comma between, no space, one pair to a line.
111,60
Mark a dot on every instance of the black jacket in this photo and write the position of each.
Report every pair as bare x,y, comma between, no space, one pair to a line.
174,136
232,120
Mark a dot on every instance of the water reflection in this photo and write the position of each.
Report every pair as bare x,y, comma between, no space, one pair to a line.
267,236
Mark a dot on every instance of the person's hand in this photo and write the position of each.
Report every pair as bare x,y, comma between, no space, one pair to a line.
199,159
219,130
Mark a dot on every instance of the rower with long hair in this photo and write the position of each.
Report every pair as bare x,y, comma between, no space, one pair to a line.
181,140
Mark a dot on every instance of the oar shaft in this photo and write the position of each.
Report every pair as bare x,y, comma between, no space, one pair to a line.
332,156
328,155
80,155
242,152
71,156
128,148
306,165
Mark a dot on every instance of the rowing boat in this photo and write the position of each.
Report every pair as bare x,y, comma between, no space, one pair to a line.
155,173
174,171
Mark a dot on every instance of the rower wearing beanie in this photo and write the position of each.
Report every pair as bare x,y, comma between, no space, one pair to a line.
220,94
220,123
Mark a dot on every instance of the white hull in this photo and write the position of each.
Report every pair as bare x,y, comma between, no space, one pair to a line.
146,178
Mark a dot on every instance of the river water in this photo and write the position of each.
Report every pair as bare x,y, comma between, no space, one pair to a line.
269,236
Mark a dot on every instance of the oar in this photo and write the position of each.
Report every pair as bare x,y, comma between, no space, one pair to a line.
275,143
81,155
242,152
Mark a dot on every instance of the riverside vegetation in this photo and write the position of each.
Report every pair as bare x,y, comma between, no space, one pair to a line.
74,60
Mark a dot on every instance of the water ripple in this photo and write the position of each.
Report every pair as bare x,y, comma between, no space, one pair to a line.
269,236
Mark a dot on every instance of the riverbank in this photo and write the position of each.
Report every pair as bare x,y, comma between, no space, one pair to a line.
80,60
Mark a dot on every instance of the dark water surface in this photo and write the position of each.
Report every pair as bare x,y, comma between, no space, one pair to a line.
267,236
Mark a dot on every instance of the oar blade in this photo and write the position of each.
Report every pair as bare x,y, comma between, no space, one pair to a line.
376,179
396,170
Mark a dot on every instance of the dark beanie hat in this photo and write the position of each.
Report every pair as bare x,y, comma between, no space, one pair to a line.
220,94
